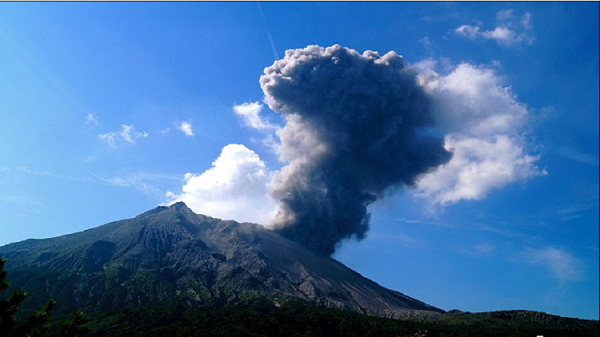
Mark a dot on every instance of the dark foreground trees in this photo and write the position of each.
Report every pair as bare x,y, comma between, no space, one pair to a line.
39,323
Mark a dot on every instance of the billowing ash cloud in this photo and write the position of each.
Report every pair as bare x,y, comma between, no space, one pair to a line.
356,127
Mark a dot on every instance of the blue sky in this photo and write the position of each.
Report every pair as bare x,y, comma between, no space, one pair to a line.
110,109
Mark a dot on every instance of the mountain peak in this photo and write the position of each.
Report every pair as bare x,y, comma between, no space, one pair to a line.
180,206
172,254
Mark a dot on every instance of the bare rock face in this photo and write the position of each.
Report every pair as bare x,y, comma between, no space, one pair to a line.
170,254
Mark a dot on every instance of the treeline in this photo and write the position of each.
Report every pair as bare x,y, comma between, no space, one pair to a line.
299,319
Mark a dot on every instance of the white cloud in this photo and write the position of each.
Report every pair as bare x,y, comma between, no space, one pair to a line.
483,248
578,156
479,249
576,211
472,100
233,188
141,181
128,133
482,122
20,199
477,166
250,113
509,31
89,159
91,119
562,264
429,45
109,138
186,128
471,32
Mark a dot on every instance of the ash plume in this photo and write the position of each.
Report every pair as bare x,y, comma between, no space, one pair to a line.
356,126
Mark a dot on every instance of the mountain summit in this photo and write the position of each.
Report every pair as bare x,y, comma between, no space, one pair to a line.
172,254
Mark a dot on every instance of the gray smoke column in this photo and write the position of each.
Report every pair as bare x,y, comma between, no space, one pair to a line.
356,127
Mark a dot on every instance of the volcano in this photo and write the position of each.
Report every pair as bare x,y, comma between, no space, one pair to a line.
171,254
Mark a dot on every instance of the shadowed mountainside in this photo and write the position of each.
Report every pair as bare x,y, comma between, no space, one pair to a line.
172,255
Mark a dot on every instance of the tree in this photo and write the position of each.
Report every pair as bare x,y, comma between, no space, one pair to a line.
39,323
10,305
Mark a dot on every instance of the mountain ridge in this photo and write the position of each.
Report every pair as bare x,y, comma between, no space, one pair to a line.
173,254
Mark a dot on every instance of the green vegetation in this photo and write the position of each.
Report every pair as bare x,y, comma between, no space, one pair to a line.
261,318
254,316
39,323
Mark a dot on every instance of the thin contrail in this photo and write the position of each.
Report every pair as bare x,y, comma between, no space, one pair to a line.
262,15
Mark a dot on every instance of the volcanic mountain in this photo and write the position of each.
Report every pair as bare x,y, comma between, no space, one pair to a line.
170,254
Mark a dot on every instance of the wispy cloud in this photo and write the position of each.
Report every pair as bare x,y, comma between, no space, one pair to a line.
91,119
510,30
495,229
576,211
110,138
89,159
482,248
130,135
127,133
145,182
578,156
404,239
424,222
560,262
250,114
27,170
44,173
429,45
479,249
186,128
20,199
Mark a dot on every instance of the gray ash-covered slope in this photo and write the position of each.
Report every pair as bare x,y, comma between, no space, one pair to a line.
172,254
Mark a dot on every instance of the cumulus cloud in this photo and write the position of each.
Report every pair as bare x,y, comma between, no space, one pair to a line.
128,133
477,166
483,125
233,188
510,30
562,264
472,99
186,128
355,126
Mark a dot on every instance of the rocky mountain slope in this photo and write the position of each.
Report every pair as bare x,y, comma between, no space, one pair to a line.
170,254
